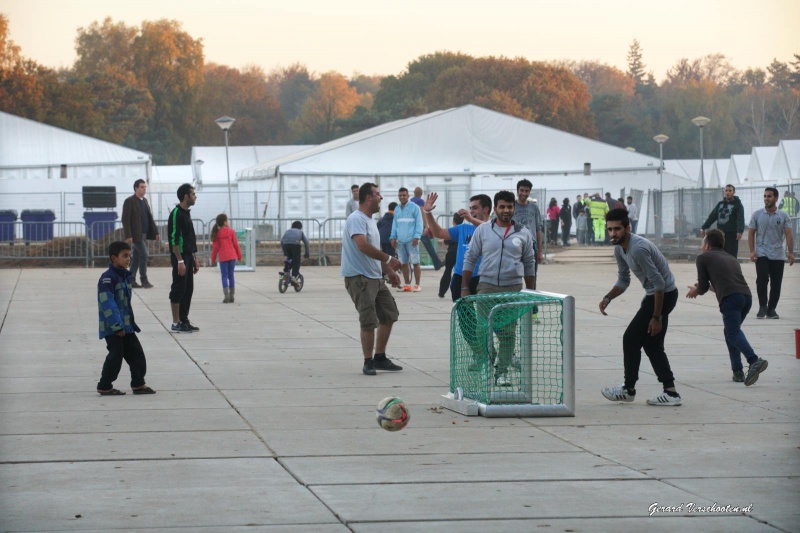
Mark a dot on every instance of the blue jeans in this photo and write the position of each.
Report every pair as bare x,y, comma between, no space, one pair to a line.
139,260
734,309
226,268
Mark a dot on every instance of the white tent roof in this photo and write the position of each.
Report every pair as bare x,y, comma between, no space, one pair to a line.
214,169
171,174
27,143
690,169
761,160
737,170
719,173
467,140
787,162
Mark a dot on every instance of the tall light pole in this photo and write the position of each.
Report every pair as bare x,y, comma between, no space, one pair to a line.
225,123
660,139
700,122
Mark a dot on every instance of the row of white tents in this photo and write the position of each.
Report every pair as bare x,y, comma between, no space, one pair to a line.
778,165
457,152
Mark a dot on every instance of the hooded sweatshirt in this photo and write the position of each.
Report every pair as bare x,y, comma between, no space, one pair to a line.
729,216
506,256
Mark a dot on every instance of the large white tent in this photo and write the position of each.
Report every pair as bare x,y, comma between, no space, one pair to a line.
456,152
786,167
44,167
737,170
761,160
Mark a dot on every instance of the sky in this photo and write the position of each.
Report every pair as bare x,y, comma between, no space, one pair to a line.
382,37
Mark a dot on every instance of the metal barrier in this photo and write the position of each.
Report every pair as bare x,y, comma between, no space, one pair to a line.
267,233
37,241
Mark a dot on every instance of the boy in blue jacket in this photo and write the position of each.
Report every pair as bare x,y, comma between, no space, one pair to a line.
117,325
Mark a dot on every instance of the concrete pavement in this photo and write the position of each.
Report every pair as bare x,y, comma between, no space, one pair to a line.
264,422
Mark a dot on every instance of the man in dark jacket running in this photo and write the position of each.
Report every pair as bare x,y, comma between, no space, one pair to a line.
729,216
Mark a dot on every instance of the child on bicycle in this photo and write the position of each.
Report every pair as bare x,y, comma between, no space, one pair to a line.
290,243
225,243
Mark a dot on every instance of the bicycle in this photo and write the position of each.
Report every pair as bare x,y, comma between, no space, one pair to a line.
286,278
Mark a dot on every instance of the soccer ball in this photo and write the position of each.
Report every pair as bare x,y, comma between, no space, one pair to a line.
392,414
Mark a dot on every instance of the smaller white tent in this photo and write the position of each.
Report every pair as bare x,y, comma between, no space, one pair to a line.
719,173
787,162
761,161
737,170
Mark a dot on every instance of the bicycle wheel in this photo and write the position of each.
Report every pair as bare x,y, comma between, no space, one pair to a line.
283,284
299,285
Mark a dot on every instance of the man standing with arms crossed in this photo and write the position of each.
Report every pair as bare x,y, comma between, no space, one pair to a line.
505,249
527,213
768,227
649,325
183,245
363,267
139,227
352,203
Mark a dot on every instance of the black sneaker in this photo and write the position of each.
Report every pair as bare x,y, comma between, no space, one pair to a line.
147,285
772,314
762,312
191,327
369,367
180,328
383,363
755,370
738,376
136,285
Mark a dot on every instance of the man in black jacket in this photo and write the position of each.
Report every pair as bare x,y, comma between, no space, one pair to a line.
139,227
729,216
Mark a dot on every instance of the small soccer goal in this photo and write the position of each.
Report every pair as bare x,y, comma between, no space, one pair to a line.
247,243
512,354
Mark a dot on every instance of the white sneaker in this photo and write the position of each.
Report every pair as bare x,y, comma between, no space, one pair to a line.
618,393
503,380
417,288
665,399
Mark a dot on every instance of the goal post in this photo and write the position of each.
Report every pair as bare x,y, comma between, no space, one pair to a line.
512,354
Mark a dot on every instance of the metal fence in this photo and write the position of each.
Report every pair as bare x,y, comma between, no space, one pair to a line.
674,218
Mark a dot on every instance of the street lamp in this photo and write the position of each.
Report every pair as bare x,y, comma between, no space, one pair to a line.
225,123
700,122
660,139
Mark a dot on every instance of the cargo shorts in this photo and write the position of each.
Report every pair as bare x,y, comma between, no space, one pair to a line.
373,300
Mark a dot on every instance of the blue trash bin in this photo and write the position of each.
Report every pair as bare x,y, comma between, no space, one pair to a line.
37,224
7,219
98,223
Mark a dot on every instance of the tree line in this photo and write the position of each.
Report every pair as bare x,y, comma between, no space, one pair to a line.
150,88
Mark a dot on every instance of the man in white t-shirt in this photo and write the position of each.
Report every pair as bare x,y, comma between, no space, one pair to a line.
363,267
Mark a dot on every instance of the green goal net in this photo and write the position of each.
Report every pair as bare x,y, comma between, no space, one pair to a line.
512,354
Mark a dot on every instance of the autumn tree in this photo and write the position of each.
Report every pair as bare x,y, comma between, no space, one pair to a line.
405,95
291,86
243,95
22,81
333,100
170,64
106,47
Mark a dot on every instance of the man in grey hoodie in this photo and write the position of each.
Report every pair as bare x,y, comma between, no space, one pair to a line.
729,216
507,258
648,328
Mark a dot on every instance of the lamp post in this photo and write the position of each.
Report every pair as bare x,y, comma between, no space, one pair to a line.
225,123
700,122
660,139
